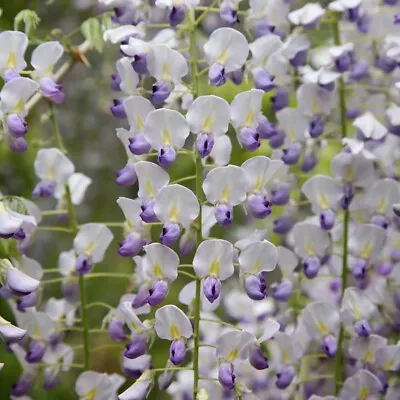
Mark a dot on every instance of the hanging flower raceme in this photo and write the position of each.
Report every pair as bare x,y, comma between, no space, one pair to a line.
254,260
325,194
226,51
166,131
311,244
160,268
208,118
90,245
225,187
176,9
213,262
172,324
13,96
259,170
176,207
54,169
43,60
247,119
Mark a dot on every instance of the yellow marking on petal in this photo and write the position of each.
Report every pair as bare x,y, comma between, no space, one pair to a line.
366,251
149,189
363,395
309,249
3,209
91,394
134,326
166,75
208,124
323,330
130,225
19,106
49,70
36,332
315,106
174,332
158,271
89,249
226,192
259,184
388,365
350,174
215,268
257,267
323,201
166,137
357,313
174,214
368,356
11,60
285,357
233,354
223,57
382,206
140,123
250,118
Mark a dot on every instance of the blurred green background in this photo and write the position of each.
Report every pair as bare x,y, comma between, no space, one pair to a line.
88,130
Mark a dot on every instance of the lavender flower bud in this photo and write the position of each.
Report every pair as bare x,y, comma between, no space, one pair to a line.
51,379
160,92
327,219
138,145
329,344
278,139
23,385
187,242
212,288
309,162
283,224
176,15
362,328
255,287
36,352
116,330
166,156
204,144
281,194
157,293
44,189
27,301
83,265
69,288
18,145
126,176
228,14
236,76
115,82
217,75
381,221
291,154
249,139
177,352
299,59
343,62
359,269
17,126
280,99
265,129
285,376
224,214
137,347
117,109
282,291
311,267
317,125
257,358
170,234
141,297
263,80
259,206
148,215
226,376
131,245
52,90
139,64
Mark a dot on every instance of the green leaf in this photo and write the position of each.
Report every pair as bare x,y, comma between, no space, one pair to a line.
92,31
29,19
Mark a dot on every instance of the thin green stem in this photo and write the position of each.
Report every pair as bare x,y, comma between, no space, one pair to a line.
53,229
55,280
51,270
109,275
99,304
171,369
184,179
56,129
187,274
199,195
316,378
108,346
54,212
339,370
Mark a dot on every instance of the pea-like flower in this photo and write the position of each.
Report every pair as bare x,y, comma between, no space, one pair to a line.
226,51
97,386
13,45
363,385
307,16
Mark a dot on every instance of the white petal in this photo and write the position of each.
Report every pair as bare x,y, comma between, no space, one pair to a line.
355,306
370,126
165,128
264,47
307,14
18,281
259,170
117,35
140,389
226,185
321,319
172,323
214,257
176,204
40,326
131,319
151,177
258,257
365,348
78,184
287,261
221,151
382,195
131,209
234,344
9,222
209,114
92,240
310,240
16,93
314,100
137,109
207,220
293,122
166,64
270,327
29,266
67,262
160,262
13,45
9,332
228,47
362,381
388,357
135,47
45,57
129,77
246,107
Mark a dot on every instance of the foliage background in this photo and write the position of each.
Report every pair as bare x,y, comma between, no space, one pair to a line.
88,130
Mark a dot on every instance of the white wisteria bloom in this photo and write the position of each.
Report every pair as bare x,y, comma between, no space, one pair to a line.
234,345
362,385
43,60
172,323
221,152
175,206
343,5
225,187
388,357
90,245
365,348
129,77
9,332
208,117
13,223
226,51
314,100
213,262
97,386
54,169
307,16
124,32
160,262
13,45
140,389
166,131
